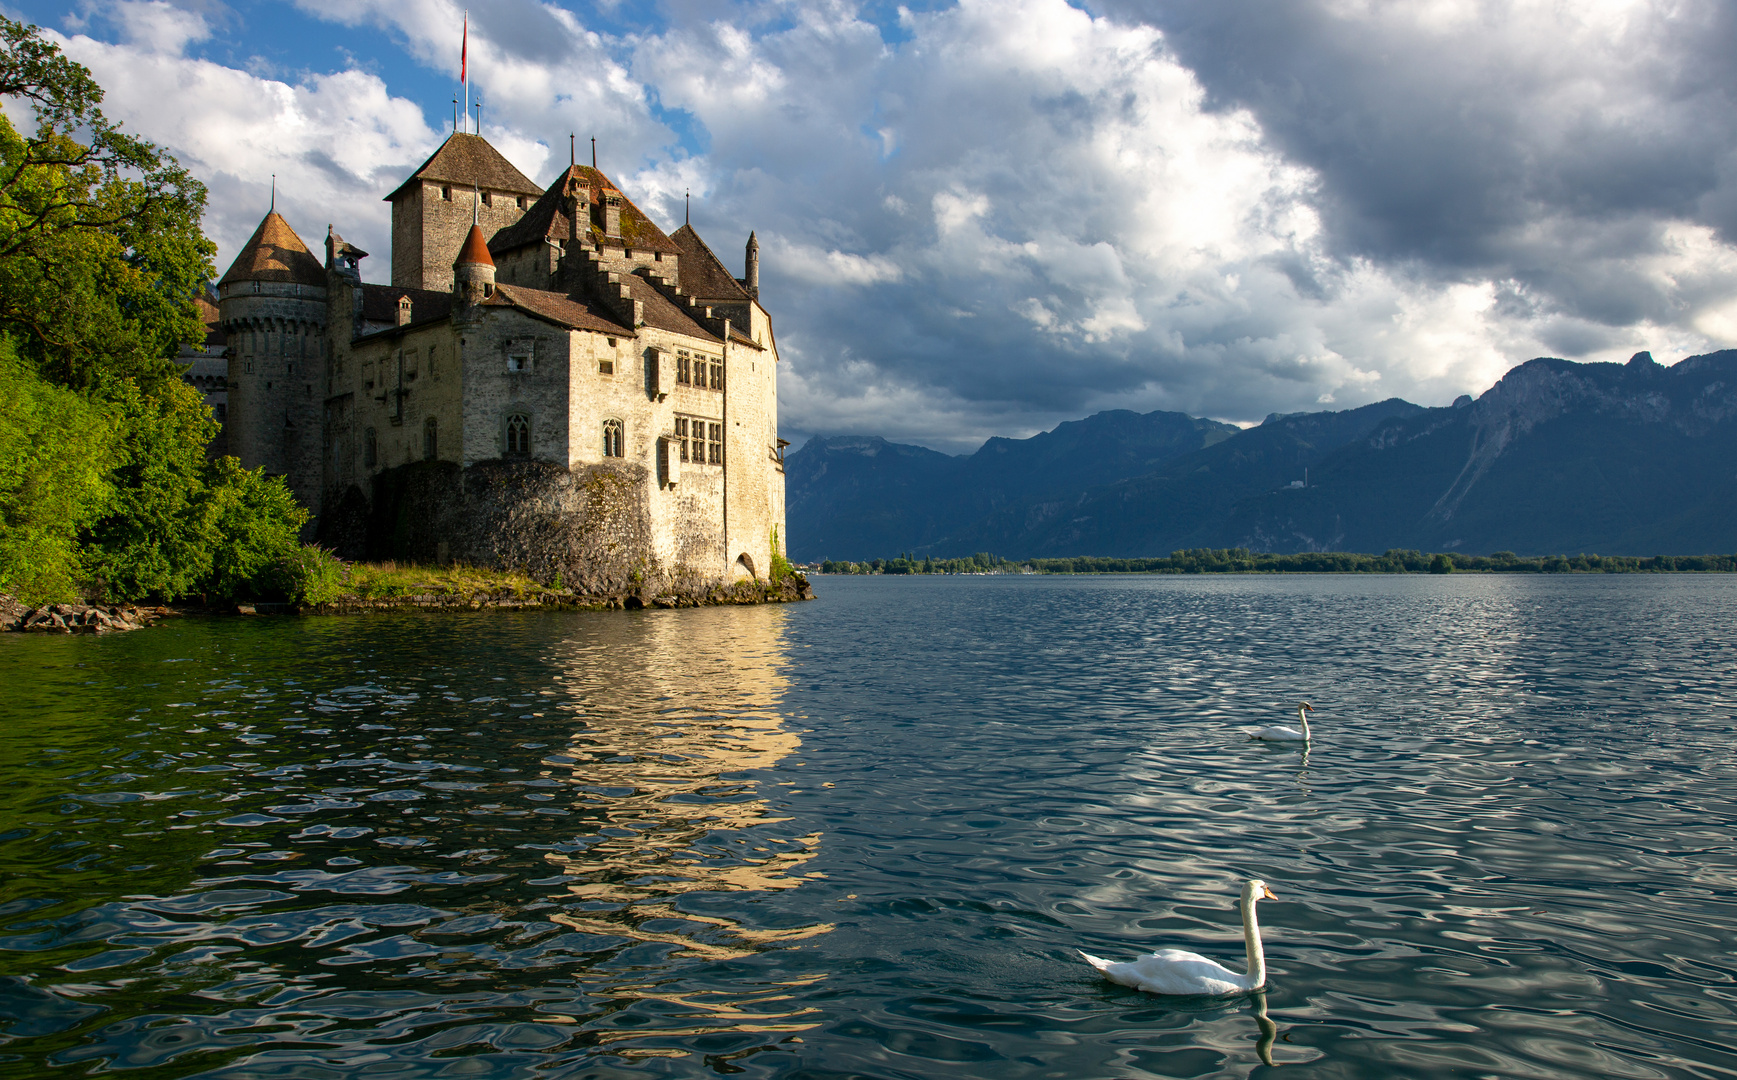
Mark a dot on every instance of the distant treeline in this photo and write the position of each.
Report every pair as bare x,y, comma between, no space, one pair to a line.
1243,561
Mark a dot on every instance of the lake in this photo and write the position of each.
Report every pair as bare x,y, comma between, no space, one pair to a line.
864,836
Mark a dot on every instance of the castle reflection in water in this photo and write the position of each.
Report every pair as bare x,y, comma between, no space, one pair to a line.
677,725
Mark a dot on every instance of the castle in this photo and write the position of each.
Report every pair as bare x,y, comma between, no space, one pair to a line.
550,384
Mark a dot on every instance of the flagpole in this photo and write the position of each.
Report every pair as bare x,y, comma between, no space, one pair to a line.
464,63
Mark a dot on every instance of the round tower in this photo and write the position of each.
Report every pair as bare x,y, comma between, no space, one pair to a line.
272,305
473,274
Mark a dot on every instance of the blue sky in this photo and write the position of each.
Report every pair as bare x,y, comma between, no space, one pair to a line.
987,217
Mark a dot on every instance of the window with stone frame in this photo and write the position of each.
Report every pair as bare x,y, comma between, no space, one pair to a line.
717,375
613,445
430,439
682,436
684,369
518,435
714,444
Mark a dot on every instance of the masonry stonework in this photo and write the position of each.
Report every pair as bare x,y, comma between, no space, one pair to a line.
551,384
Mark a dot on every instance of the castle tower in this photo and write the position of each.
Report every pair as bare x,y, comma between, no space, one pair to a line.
272,306
473,272
751,267
428,225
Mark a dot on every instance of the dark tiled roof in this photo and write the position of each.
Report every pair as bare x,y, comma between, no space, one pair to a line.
664,315
703,274
275,253
380,304
215,338
558,308
469,161
547,218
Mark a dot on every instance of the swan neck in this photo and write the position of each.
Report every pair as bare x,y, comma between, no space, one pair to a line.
1251,936
1303,718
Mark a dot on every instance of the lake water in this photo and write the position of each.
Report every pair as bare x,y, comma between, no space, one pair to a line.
863,836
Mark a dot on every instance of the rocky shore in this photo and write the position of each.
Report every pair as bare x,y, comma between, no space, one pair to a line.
74,618
102,619
742,592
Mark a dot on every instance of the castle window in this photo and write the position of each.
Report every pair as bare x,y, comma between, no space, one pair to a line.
682,436
518,435
521,202
606,366
370,449
430,439
446,193
684,369
715,444
488,198
612,442
717,376
518,361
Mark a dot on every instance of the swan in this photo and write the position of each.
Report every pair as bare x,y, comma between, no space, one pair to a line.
1287,734
1173,971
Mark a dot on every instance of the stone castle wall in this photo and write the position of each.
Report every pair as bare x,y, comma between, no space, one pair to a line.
430,222
276,401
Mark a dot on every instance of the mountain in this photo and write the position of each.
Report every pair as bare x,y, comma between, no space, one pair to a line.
1182,504
1557,457
857,497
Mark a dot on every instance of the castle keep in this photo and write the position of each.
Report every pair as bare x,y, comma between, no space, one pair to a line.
550,383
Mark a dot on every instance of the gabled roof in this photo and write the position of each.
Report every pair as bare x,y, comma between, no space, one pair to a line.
469,161
558,308
275,253
547,218
703,274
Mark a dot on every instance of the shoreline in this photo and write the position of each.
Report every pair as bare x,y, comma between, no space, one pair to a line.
18,617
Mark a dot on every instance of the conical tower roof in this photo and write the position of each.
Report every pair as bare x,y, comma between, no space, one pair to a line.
275,253
475,249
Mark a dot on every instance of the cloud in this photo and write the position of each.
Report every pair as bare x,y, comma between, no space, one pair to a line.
1000,215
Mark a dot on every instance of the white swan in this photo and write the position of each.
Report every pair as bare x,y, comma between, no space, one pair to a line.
1287,734
1172,971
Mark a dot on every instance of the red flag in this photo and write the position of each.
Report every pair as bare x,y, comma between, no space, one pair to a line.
464,48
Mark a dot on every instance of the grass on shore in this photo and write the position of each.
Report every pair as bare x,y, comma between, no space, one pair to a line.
384,580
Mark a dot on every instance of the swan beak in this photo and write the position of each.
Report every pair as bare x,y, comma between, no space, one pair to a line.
1267,894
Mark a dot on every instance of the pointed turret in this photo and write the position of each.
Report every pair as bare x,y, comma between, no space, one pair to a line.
473,273
275,253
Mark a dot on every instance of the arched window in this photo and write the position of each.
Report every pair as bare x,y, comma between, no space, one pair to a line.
518,435
430,439
612,445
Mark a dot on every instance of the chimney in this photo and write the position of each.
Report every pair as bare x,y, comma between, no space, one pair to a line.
404,311
611,213
751,278
578,207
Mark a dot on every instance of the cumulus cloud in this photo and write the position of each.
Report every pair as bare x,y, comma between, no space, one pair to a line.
1012,213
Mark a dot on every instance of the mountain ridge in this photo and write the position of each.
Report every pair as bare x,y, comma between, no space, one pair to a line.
1557,456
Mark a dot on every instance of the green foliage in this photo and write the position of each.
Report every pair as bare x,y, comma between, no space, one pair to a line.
1442,564
310,575
104,484
780,568
101,253
56,450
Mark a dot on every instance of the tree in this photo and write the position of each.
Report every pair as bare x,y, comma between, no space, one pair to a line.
101,257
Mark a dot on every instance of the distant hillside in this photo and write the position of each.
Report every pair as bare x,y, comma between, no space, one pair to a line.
857,497
1621,459
1558,457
